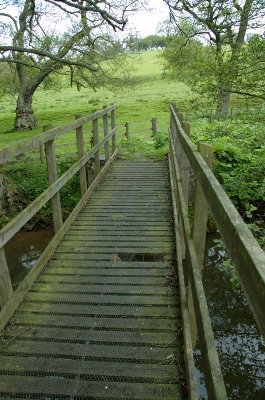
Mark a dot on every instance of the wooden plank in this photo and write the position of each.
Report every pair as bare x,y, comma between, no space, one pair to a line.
213,374
105,133
167,372
22,146
13,302
95,142
201,208
112,124
6,290
97,322
46,309
188,346
18,222
80,152
87,298
52,174
243,248
62,386
89,288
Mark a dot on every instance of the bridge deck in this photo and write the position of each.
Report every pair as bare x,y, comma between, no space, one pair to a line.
101,321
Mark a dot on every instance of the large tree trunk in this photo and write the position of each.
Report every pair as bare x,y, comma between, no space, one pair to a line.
223,99
25,118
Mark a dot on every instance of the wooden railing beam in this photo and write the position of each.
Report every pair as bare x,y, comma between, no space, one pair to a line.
244,250
6,290
80,153
95,142
52,175
105,132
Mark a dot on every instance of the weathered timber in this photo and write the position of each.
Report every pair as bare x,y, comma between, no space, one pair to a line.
188,346
201,208
80,153
112,125
105,132
52,174
6,290
104,310
127,130
25,285
18,222
241,245
23,146
154,126
95,142
213,374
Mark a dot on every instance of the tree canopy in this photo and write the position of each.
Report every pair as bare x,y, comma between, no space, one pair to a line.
223,26
52,36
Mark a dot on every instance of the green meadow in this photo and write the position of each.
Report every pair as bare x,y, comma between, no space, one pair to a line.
149,97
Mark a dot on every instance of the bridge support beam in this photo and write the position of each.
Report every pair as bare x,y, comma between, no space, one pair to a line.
6,290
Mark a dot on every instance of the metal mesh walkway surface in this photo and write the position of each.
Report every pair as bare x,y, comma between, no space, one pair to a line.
102,319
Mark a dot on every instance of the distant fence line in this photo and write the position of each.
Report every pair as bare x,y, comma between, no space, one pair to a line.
125,129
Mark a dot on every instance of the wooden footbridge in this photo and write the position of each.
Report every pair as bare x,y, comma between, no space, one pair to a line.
107,311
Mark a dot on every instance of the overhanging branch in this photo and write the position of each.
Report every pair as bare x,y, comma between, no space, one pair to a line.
42,53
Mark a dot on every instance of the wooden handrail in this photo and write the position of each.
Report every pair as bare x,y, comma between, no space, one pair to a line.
214,379
242,247
53,191
23,146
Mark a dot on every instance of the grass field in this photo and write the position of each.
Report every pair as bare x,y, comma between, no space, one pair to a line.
149,97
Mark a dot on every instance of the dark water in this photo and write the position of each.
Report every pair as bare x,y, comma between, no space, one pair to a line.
240,347
22,252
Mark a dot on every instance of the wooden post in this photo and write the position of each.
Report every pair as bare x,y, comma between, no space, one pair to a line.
42,154
80,153
200,211
127,130
185,166
6,290
112,122
52,174
106,131
95,142
154,126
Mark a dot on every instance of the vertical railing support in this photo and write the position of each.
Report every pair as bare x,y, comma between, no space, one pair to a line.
154,126
42,153
112,122
52,174
200,210
106,131
6,290
95,142
185,166
127,133
80,153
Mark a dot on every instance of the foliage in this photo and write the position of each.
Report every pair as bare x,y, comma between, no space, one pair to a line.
138,146
223,25
27,180
240,154
152,42
226,265
31,41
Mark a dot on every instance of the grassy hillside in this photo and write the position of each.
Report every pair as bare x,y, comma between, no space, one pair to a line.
148,98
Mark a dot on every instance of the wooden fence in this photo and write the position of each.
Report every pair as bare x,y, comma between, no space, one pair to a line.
8,300
185,159
127,129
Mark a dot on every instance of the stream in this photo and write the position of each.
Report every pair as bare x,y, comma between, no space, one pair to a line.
240,347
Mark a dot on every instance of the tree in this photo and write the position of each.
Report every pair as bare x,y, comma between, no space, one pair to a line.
78,51
221,23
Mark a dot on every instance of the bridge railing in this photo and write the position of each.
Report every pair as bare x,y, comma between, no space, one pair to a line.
8,299
248,258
